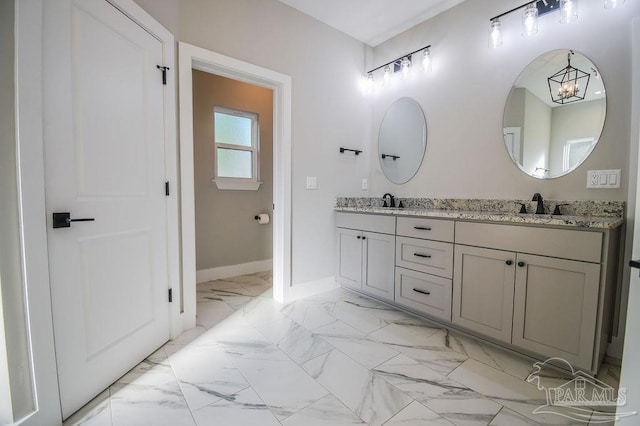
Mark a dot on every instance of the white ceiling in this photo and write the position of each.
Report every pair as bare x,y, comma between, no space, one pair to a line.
372,21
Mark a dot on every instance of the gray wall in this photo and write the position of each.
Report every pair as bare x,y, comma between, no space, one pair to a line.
574,121
464,97
11,288
226,232
537,134
328,110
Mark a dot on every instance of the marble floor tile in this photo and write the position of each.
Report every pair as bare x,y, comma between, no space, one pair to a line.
338,328
457,403
507,417
211,313
365,351
359,316
370,397
243,408
154,370
295,340
328,411
413,341
417,414
206,375
283,386
95,413
522,397
139,405
191,336
310,314
486,353
336,358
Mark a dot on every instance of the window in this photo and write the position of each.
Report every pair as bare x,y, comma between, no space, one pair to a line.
236,149
575,151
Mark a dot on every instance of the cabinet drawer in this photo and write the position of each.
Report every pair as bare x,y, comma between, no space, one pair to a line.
424,293
431,229
431,257
561,243
366,222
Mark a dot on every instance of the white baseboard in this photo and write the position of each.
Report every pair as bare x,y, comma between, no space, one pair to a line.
218,273
298,291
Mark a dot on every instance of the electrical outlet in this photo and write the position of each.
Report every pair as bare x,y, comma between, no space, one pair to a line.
603,179
365,184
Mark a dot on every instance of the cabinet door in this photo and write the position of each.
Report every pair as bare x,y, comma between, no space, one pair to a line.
379,252
483,290
555,308
349,262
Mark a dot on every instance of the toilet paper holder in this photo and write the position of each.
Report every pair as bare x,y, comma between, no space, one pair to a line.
262,218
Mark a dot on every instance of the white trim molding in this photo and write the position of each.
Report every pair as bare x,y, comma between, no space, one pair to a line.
204,275
300,291
192,57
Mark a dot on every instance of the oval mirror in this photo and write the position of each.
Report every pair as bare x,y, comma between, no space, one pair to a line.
554,114
402,140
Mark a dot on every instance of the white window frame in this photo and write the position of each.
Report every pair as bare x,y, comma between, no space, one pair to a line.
566,153
242,184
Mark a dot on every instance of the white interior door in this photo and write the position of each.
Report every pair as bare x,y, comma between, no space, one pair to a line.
104,159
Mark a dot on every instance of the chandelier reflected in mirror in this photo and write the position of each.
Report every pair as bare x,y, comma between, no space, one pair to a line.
569,84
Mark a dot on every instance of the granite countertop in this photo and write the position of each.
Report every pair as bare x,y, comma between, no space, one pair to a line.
597,222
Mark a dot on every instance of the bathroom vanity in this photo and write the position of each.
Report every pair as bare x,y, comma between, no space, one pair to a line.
542,286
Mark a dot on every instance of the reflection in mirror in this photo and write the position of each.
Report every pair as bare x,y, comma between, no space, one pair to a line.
402,140
544,137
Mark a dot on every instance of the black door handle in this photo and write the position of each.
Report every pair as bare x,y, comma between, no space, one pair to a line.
509,262
417,290
63,220
521,264
634,263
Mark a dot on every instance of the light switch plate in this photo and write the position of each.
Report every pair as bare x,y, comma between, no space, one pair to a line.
603,179
365,184
312,182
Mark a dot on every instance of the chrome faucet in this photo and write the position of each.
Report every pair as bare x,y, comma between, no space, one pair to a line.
540,207
392,200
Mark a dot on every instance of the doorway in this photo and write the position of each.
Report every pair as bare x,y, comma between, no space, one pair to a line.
195,58
233,176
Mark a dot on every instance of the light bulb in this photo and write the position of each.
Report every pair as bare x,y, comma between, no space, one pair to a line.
369,83
405,64
530,20
612,4
387,75
495,34
568,11
426,60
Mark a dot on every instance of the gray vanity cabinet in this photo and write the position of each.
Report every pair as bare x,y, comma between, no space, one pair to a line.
366,258
483,286
555,307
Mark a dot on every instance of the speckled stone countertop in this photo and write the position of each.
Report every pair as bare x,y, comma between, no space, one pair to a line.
599,215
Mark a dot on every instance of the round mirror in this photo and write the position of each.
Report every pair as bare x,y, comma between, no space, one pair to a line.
402,140
554,114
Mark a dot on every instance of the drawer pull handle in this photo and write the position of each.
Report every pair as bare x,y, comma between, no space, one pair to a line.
417,290
521,264
426,256
422,228
509,262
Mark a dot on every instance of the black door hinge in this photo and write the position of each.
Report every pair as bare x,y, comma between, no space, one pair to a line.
166,188
164,73
170,295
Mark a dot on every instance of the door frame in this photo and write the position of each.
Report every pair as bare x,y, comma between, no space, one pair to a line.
192,57
30,159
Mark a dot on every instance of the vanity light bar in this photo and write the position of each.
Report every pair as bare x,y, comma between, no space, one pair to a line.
534,9
402,64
